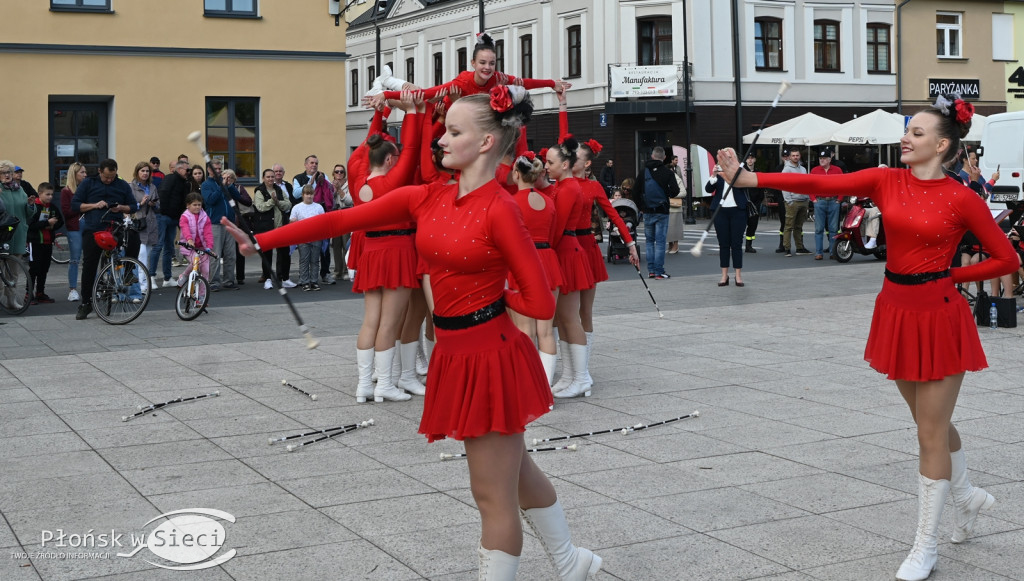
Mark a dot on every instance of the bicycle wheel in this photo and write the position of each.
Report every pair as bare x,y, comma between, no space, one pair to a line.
61,249
16,293
192,299
118,297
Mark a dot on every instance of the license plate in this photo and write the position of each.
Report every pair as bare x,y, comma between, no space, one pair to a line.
1004,197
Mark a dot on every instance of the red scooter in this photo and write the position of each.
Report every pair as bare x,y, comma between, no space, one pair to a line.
850,241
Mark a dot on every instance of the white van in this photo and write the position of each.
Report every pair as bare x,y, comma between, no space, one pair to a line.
1002,150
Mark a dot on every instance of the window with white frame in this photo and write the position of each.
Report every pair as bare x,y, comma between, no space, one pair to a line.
767,43
229,7
878,48
574,43
81,5
948,34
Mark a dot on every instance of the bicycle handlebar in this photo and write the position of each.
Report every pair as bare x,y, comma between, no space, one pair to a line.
199,250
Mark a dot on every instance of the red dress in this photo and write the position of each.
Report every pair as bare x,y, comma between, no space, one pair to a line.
488,377
919,332
540,224
594,192
576,274
388,259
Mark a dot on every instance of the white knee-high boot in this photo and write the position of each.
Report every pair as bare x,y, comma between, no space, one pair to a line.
590,349
567,372
580,385
570,562
548,360
385,389
497,565
364,363
931,497
423,355
408,380
968,500
389,81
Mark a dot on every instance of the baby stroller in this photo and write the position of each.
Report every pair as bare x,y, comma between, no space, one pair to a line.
630,214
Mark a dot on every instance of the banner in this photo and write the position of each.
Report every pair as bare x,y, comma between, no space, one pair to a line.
703,164
644,81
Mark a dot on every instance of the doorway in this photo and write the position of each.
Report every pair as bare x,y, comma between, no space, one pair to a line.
78,131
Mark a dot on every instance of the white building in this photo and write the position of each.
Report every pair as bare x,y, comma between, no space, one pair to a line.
838,54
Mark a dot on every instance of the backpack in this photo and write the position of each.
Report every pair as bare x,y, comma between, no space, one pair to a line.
654,194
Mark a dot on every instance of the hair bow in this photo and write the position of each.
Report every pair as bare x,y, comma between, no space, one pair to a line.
964,110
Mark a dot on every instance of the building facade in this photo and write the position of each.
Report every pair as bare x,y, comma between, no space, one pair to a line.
972,54
91,79
838,54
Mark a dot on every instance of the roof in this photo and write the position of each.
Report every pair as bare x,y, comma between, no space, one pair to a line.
367,17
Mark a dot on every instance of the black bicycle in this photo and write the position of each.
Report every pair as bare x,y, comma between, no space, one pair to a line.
121,291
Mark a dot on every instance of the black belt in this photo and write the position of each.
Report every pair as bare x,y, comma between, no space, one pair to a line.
583,232
568,233
477,317
917,278
383,233
540,245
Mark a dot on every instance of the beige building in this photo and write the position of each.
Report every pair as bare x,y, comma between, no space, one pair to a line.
1010,38
952,46
130,79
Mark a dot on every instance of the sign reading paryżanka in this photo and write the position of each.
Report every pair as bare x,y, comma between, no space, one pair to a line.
644,81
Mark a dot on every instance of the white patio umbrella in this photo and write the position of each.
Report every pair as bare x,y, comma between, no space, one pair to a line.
875,128
807,129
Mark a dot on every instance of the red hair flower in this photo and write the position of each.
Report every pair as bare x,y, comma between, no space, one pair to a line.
964,110
595,146
501,99
543,153
530,156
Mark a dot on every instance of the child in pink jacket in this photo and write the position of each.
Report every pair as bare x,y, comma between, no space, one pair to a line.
197,230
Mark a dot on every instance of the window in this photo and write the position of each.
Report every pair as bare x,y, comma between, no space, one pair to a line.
499,55
1002,37
229,7
768,44
353,91
654,41
438,69
81,5
391,66
947,34
878,48
371,75
575,50
462,60
826,46
232,131
526,55
410,70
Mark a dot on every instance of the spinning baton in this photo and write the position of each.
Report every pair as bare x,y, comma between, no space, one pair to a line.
145,410
625,430
365,424
641,275
571,447
639,427
311,342
783,87
314,432
311,396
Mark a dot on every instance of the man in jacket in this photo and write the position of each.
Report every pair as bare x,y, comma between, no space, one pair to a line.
102,200
608,176
796,209
652,189
172,192
218,206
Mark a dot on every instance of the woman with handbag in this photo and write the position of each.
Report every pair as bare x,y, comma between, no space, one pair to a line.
730,224
269,205
145,219
675,209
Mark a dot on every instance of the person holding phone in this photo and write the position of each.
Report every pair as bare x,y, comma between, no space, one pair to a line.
971,167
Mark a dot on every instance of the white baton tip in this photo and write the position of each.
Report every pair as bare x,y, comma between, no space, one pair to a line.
216,393
138,407
313,397
270,441
124,418
661,315
370,421
312,343
290,448
625,431
195,135
445,456
785,87
572,447
284,382
696,413
536,441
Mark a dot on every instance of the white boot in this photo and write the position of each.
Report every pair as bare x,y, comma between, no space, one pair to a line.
590,348
396,365
570,562
548,360
389,81
567,374
580,385
968,500
427,349
364,363
497,565
931,497
385,389
154,283
408,380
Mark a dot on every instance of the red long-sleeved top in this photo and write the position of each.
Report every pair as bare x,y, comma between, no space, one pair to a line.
568,199
467,84
402,173
924,219
470,244
594,192
540,223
